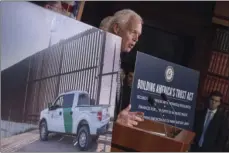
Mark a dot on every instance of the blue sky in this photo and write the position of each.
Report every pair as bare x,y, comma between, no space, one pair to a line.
26,29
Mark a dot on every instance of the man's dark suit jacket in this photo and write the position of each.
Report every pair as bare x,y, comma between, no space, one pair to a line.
127,65
215,135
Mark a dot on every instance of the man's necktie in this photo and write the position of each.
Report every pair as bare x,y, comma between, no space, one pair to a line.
207,121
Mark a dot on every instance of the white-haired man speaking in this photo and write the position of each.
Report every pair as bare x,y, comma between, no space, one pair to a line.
128,25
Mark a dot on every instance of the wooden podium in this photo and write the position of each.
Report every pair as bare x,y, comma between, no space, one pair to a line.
145,137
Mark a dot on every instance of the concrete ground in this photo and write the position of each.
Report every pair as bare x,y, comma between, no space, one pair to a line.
54,144
29,142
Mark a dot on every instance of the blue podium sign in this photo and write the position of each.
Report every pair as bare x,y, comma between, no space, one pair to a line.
154,77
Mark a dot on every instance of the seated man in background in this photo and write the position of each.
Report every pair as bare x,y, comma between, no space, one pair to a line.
210,126
105,23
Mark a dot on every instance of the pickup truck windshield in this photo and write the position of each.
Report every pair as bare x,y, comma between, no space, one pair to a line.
83,100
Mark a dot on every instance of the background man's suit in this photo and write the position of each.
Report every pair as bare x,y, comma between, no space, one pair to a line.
215,134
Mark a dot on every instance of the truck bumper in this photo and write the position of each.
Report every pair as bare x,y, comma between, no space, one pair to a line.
103,129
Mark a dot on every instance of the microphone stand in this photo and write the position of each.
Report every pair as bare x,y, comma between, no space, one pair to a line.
152,103
164,97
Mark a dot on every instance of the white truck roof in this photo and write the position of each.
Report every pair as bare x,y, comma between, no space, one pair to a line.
73,92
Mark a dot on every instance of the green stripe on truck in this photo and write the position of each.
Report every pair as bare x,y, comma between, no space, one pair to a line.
67,120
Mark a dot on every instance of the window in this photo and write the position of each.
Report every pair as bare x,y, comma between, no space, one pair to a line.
59,102
68,101
83,100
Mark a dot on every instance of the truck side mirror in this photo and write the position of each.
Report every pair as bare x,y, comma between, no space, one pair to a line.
49,105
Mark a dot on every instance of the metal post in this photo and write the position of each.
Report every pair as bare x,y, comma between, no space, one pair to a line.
61,63
39,86
112,74
26,89
101,63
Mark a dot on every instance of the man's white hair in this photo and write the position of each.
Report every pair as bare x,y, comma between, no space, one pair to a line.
105,23
122,17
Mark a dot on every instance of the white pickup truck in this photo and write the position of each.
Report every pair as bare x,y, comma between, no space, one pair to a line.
72,114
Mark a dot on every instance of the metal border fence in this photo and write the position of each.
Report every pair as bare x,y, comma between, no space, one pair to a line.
73,64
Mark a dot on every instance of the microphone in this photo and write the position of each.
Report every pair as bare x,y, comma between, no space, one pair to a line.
152,103
164,97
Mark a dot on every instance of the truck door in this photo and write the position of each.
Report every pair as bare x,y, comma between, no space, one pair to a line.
68,112
55,123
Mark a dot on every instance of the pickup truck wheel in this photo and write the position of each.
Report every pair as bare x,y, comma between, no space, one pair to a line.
43,131
84,138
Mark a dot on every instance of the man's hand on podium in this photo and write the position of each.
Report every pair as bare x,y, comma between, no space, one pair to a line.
128,118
